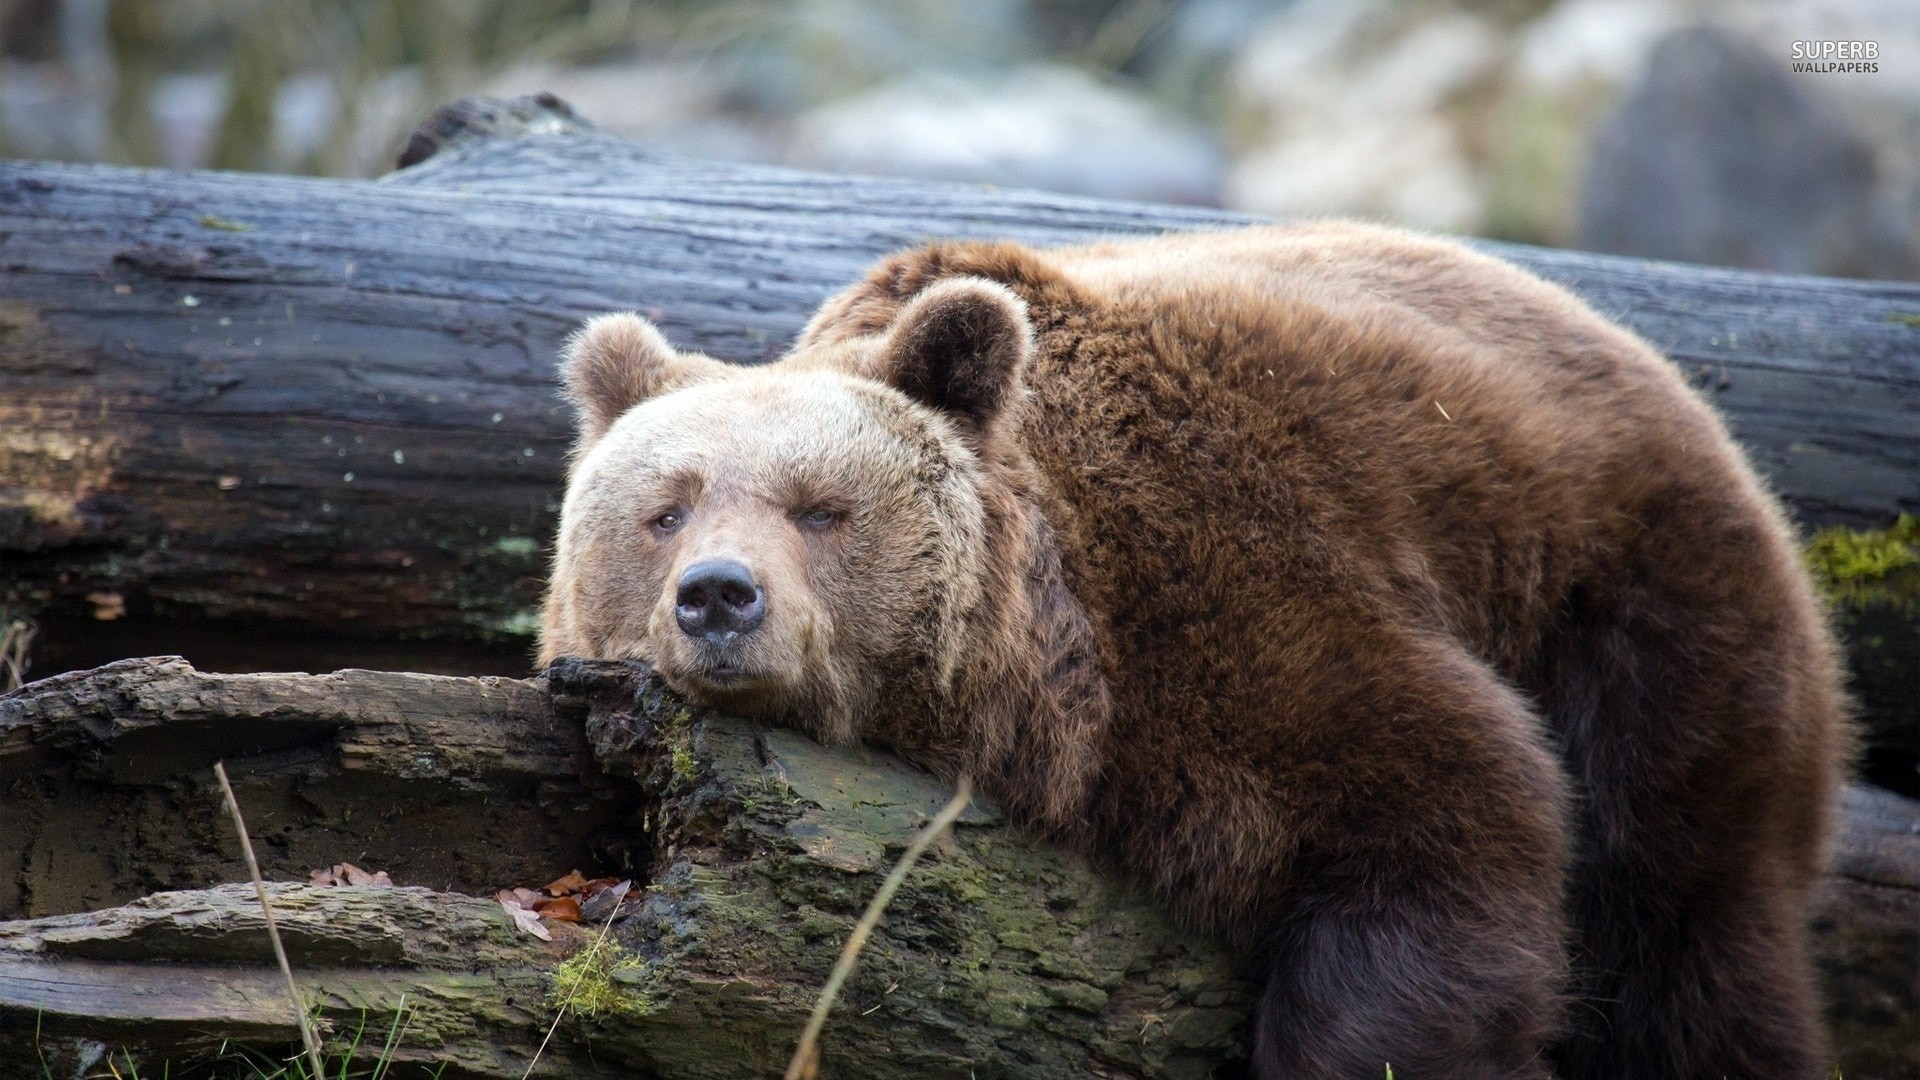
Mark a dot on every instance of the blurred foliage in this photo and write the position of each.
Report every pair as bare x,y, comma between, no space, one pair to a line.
450,47
383,64
394,58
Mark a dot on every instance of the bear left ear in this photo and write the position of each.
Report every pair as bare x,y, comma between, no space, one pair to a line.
617,361
961,346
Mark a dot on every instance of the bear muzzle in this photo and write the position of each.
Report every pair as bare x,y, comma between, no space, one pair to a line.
718,604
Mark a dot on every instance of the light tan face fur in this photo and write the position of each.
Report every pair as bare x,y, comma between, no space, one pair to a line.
853,506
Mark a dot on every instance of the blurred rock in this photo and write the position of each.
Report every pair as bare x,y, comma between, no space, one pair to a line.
1482,119
186,117
674,106
1721,156
48,111
1883,107
1349,100
1039,126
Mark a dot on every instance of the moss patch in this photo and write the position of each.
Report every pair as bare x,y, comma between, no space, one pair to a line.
601,980
1856,568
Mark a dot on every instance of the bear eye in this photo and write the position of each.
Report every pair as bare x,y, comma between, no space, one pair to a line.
819,518
668,521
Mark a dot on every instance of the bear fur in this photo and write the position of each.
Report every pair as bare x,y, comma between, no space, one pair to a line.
1384,609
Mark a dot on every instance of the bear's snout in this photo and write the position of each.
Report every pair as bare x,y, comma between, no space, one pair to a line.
718,601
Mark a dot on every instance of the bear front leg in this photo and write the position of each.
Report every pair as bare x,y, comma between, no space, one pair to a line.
1423,925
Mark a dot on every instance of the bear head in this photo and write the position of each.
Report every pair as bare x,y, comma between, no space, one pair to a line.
837,539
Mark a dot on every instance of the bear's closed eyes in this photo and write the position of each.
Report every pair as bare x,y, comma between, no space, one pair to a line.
1383,608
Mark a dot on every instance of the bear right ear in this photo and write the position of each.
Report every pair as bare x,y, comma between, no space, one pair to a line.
961,346
617,361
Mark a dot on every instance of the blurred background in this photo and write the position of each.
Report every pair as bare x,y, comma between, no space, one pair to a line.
1659,128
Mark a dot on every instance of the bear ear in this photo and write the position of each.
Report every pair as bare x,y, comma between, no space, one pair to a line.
615,362
961,346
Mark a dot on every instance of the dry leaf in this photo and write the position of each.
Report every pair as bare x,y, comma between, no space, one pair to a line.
349,874
107,606
525,921
559,909
572,883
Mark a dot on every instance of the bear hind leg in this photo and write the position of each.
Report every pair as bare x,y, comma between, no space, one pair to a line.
1703,996
1350,995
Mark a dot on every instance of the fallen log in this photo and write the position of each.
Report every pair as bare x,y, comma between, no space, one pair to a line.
326,407
753,850
1000,956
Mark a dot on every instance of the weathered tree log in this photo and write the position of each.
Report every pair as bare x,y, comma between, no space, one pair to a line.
1000,957
327,406
757,849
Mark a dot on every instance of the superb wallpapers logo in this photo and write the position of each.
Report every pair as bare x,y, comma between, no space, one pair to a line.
1836,57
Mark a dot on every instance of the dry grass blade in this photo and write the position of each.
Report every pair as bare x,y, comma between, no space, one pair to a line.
805,1064
308,1035
15,636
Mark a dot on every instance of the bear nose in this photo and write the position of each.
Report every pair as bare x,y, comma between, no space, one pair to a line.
719,599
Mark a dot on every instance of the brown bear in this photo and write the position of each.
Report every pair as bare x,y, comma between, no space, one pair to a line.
1383,608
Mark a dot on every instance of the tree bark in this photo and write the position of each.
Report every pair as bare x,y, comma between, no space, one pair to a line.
326,407
757,850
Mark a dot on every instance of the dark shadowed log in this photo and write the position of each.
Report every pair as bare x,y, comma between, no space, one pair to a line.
1000,956
469,784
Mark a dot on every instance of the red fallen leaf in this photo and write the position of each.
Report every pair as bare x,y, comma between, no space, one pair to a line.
525,920
559,909
573,882
597,885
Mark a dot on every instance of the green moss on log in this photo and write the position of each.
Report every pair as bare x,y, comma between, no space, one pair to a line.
1859,568
601,980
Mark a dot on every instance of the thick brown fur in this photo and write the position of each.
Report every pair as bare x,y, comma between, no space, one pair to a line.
1379,605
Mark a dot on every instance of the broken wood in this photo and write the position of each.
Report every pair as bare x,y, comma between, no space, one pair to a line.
471,783
1000,955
